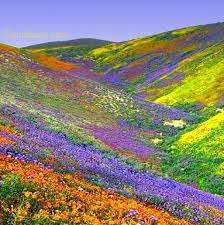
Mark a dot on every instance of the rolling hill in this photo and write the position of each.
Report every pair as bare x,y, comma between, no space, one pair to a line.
135,127
70,50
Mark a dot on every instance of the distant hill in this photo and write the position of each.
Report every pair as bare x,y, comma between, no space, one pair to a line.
166,66
162,68
72,51
75,42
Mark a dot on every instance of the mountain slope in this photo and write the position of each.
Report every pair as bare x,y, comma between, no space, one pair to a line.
76,42
69,50
162,67
181,68
69,117
154,56
202,82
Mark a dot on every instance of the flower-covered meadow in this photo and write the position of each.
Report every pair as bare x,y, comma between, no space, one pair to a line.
124,133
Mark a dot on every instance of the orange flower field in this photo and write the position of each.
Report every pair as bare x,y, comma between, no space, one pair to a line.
69,198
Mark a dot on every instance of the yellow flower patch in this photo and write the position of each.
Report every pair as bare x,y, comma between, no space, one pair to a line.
202,130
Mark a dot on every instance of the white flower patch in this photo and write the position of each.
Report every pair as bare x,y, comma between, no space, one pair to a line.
219,110
156,140
116,103
175,123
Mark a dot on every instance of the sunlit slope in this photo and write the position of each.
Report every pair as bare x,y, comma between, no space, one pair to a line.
157,135
210,131
165,68
199,153
203,80
142,61
52,114
53,88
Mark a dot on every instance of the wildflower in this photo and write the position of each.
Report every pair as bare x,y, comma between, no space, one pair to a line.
1,183
156,140
153,220
27,194
21,214
175,123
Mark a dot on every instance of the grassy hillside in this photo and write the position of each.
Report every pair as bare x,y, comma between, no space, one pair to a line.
71,50
154,56
202,80
199,154
141,119
165,68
